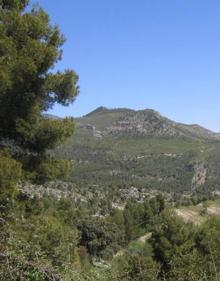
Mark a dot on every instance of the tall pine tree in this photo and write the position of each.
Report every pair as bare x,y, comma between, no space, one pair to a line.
29,49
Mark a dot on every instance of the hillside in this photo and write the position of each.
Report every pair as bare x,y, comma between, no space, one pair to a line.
124,122
198,214
130,154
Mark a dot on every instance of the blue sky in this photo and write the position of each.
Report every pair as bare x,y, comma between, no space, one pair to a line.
160,54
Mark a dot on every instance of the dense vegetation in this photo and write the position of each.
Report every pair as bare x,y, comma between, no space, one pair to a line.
111,165
49,239
29,48
91,227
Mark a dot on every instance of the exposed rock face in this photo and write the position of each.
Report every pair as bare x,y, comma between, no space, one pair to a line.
200,175
90,129
123,122
57,190
143,123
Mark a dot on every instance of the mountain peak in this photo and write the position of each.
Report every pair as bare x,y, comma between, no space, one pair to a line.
123,122
103,109
97,110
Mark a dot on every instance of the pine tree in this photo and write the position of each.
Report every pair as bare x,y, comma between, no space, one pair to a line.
29,49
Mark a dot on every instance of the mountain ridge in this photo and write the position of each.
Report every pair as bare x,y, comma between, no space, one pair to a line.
121,148
119,122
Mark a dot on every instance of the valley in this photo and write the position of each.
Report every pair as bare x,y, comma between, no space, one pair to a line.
127,154
117,194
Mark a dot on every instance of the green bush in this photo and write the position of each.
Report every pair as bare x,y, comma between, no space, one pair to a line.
50,170
10,171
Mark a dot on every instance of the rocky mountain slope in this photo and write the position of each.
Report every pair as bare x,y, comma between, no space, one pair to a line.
121,122
125,150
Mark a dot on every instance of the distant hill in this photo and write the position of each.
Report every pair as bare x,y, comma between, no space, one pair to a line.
122,122
51,116
127,150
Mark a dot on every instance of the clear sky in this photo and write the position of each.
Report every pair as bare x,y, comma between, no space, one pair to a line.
160,54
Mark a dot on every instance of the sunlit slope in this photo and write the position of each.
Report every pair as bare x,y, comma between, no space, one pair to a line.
143,149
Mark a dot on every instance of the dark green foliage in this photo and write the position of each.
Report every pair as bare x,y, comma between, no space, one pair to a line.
13,4
142,162
101,238
148,162
140,217
35,241
135,219
170,239
10,171
53,169
208,245
185,252
29,48
118,218
136,267
44,238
